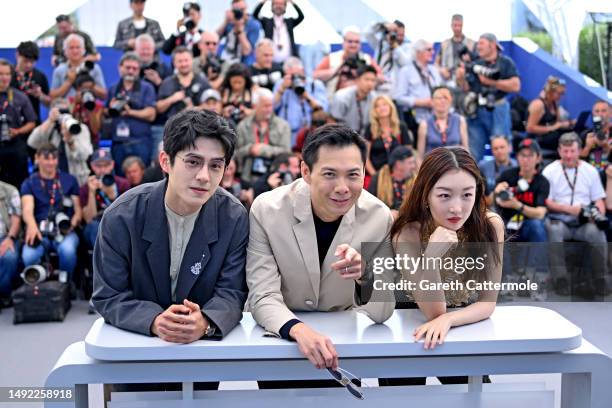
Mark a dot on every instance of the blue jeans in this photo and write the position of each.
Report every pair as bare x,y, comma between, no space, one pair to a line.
66,250
528,255
486,124
90,232
139,147
8,270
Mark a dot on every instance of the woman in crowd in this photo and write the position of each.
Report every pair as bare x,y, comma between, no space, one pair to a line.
445,209
384,134
443,127
237,93
544,118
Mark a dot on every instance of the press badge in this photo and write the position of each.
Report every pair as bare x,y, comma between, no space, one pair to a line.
123,130
67,202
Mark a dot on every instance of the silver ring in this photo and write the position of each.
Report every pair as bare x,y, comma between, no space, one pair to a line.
346,269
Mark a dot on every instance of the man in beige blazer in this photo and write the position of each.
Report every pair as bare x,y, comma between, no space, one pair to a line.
305,243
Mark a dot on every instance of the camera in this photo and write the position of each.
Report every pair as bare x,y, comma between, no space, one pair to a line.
5,135
35,274
508,194
238,14
85,67
591,213
351,65
598,129
108,180
286,177
118,106
236,115
154,65
59,59
298,84
187,21
67,120
492,73
88,99
213,63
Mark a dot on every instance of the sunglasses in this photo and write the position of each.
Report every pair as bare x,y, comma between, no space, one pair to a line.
345,379
210,43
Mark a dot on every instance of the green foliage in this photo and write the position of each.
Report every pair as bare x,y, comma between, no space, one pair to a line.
588,53
543,39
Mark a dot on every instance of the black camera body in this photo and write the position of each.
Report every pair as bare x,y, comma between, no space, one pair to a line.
590,213
88,99
351,65
85,68
598,129
154,65
187,21
5,135
238,14
236,114
118,105
298,84
213,64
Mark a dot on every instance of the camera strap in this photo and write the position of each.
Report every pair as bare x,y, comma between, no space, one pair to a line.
425,76
572,185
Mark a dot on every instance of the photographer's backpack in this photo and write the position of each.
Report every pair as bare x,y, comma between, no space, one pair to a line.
44,302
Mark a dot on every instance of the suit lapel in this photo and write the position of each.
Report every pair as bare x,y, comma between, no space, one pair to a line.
155,231
306,236
197,253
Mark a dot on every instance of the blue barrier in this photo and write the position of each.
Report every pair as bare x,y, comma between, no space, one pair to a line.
534,67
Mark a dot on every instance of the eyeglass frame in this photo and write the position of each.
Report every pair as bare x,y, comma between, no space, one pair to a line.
346,382
199,158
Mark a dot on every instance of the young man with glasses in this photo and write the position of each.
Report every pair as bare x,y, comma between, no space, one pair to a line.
170,256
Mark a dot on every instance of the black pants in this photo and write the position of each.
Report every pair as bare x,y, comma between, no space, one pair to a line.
14,161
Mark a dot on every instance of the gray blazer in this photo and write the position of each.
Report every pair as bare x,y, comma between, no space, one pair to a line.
132,261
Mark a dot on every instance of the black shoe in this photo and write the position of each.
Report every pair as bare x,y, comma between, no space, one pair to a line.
562,287
583,290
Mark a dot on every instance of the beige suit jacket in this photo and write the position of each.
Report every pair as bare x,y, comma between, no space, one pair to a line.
283,273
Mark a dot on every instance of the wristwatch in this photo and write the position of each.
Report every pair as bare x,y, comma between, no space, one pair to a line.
210,330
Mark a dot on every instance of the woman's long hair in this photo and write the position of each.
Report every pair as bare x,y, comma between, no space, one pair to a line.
237,69
393,120
477,228
384,188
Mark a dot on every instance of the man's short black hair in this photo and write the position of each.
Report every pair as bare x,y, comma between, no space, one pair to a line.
182,130
29,50
192,5
364,69
46,149
179,50
331,135
82,78
399,24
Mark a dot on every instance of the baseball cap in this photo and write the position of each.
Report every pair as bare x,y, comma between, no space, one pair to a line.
491,37
210,94
530,144
399,153
101,155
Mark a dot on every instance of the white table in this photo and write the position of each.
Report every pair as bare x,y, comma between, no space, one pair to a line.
515,340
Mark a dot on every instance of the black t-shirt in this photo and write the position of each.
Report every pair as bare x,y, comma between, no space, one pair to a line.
171,85
597,158
24,82
535,196
325,235
507,70
265,77
379,151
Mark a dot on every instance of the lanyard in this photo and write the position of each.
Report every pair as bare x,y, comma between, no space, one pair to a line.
425,76
258,136
24,81
4,106
360,113
54,188
443,134
572,185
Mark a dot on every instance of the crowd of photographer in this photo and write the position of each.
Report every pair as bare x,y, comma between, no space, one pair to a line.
405,100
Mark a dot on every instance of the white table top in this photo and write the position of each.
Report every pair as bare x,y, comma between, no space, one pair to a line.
511,329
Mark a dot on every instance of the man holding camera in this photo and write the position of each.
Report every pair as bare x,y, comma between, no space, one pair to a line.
279,28
17,119
64,28
187,34
296,97
28,79
65,74
449,57
351,106
596,150
71,138
240,32
100,191
338,70
390,51
209,63
285,168
576,207
85,107
265,72
492,115
182,90
51,212
131,105
10,224
136,25
261,137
